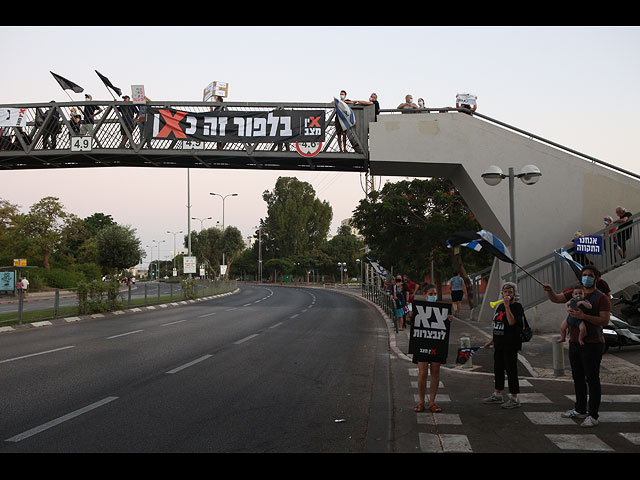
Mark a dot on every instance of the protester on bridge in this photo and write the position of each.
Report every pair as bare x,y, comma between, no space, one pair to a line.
408,104
76,121
610,240
467,106
508,320
340,133
90,112
457,292
129,113
141,119
585,359
429,293
51,129
624,220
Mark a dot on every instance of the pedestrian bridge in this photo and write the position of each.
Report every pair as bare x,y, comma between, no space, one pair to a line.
574,192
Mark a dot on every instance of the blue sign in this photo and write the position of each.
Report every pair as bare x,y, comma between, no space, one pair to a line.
591,244
7,280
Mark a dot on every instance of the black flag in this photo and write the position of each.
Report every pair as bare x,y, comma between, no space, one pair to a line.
67,84
108,83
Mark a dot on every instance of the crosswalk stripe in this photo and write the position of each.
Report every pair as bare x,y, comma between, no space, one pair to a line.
578,442
613,398
450,443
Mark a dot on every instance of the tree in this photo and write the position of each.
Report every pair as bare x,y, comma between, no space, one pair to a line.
118,248
297,221
210,244
407,223
44,225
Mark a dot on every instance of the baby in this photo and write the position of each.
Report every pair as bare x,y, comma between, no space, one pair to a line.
577,302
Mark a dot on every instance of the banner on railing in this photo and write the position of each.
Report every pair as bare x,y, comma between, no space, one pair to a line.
591,244
275,126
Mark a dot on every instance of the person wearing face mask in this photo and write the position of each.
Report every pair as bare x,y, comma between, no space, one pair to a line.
408,104
340,133
90,112
610,240
508,320
585,359
429,293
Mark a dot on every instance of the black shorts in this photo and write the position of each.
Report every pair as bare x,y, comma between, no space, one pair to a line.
456,295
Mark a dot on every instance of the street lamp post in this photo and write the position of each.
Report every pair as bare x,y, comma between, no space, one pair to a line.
158,267
529,175
259,253
174,246
201,220
223,197
341,265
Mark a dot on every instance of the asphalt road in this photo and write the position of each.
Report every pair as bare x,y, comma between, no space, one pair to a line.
267,369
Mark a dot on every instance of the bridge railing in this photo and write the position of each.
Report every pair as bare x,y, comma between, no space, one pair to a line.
50,129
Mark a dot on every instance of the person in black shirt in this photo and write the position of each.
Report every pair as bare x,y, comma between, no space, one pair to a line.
129,113
507,325
90,112
624,219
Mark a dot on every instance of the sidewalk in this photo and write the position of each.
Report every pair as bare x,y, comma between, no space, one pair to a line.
467,425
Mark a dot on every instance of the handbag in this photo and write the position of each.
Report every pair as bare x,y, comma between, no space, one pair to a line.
526,333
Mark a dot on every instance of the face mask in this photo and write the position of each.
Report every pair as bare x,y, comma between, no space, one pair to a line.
341,97
432,299
420,104
587,281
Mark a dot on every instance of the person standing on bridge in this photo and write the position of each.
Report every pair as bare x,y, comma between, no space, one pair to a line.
624,220
424,362
585,359
408,104
129,113
508,320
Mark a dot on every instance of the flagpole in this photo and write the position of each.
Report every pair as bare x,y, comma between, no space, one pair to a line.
514,263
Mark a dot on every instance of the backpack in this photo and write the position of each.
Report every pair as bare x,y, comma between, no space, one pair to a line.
526,333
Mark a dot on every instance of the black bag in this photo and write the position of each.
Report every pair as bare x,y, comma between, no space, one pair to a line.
526,333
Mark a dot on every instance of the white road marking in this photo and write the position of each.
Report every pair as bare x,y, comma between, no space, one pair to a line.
60,420
246,338
35,354
276,325
172,323
123,334
207,314
186,365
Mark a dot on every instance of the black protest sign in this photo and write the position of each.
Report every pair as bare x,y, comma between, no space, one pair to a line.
275,126
430,329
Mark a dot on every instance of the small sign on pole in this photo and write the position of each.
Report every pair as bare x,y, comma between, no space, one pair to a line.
189,264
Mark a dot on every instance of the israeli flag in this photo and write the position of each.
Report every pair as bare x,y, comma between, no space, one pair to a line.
481,240
381,271
575,266
345,114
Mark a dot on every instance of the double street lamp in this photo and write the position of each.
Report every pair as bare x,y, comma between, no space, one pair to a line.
529,175
223,197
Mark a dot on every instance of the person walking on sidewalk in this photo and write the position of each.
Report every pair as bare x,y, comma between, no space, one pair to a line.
507,325
585,359
429,294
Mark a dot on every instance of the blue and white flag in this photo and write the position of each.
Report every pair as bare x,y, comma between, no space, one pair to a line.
380,270
575,266
481,240
345,114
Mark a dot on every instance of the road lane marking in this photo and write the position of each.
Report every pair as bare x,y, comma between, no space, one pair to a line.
246,305
276,325
187,365
35,354
294,316
207,314
60,420
246,338
123,334
172,323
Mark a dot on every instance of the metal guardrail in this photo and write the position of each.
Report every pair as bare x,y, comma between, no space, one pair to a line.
46,141
145,294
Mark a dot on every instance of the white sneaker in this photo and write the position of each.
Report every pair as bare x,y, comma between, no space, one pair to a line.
494,398
511,403
573,414
589,422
